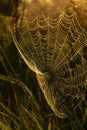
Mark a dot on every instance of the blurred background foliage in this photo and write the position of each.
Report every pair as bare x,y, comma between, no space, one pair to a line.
22,103
6,7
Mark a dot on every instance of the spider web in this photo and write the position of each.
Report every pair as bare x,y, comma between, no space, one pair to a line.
56,44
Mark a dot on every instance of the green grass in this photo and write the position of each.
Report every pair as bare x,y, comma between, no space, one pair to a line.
22,103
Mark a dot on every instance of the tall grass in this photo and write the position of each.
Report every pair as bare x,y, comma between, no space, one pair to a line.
22,103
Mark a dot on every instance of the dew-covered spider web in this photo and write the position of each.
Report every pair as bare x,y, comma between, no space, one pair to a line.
54,46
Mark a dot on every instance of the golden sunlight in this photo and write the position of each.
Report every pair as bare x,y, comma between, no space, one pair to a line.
42,1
